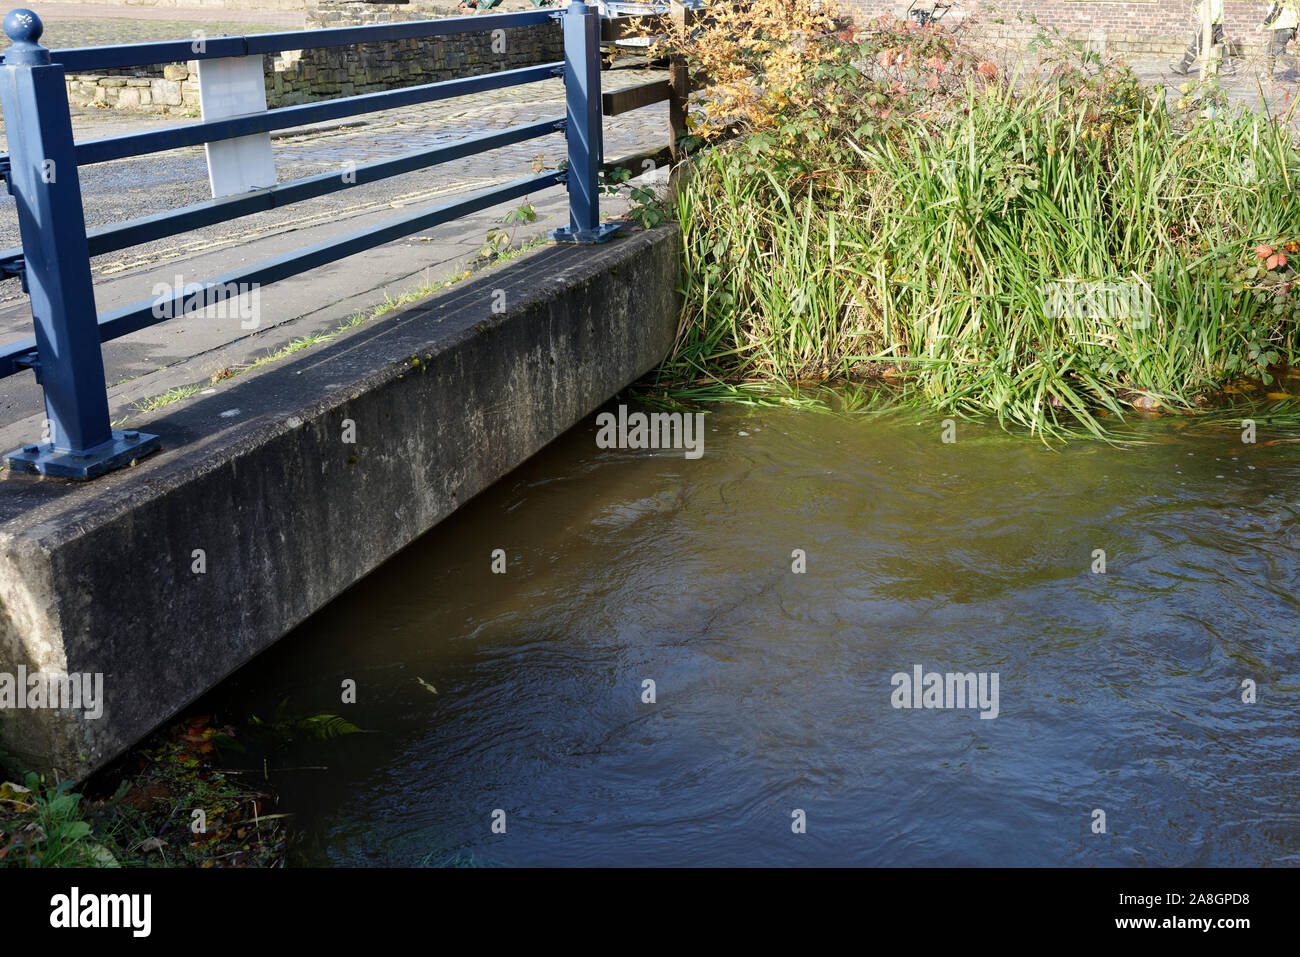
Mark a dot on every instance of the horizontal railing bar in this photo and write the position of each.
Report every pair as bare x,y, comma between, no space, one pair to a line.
635,97
635,163
209,131
108,239
90,59
140,315
613,29
148,312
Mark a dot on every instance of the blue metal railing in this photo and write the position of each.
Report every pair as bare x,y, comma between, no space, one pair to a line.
54,260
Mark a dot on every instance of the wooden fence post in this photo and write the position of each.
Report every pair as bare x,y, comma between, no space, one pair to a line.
680,78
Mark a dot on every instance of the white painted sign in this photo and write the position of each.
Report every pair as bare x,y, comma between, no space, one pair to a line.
233,86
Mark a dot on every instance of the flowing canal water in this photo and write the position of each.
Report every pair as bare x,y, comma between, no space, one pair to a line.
1118,691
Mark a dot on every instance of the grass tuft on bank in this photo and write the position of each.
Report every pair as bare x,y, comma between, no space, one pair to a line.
1053,249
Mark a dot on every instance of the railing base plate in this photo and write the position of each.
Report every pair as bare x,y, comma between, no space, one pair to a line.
122,450
602,233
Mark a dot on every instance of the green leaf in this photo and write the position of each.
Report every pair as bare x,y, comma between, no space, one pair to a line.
74,830
327,726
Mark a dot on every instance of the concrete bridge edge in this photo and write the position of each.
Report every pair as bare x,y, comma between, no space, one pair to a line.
168,576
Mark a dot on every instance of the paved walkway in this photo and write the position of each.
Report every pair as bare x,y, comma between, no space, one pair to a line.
55,11
85,25
1250,86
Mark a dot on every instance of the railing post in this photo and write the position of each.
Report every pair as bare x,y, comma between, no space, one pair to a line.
679,76
581,24
78,441
1208,62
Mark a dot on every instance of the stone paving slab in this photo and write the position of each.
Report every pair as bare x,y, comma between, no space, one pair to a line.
1250,86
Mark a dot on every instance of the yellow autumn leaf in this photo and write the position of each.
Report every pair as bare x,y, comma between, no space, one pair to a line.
427,687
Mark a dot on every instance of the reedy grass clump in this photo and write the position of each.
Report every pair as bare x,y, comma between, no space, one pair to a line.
919,225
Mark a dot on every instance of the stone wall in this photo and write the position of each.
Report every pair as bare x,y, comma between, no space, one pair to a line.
173,88
300,76
1127,26
304,75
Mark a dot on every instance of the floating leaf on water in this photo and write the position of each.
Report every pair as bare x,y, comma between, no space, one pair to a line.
428,687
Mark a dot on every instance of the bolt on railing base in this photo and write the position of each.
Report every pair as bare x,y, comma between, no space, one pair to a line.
124,448
567,234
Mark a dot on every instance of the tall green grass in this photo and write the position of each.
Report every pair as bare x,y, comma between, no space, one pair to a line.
930,255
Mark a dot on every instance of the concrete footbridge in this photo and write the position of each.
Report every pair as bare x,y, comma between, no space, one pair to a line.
144,558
